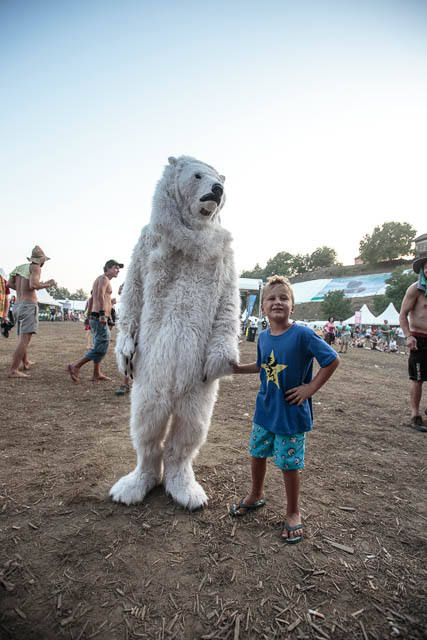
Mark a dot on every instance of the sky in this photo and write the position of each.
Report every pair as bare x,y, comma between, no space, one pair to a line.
315,111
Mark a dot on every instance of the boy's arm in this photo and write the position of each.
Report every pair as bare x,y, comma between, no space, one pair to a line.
246,368
297,395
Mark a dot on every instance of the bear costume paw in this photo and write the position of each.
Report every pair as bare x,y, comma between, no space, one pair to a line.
133,488
125,349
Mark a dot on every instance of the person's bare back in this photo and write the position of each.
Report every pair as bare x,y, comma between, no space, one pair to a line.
26,288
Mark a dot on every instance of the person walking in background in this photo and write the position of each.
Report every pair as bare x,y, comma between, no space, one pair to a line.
4,306
413,322
100,313
25,280
329,330
345,336
386,331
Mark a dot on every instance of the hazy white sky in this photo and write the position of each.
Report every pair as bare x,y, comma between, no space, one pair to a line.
315,111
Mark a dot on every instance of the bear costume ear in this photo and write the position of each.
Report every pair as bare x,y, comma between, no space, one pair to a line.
172,161
222,178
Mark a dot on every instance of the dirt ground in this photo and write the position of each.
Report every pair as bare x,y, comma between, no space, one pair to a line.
74,565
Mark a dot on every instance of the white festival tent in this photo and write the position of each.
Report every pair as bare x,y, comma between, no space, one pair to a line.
73,305
391,315
45,298
367,317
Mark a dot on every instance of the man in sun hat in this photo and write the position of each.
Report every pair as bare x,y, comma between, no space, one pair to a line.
100,306
25,280
413,322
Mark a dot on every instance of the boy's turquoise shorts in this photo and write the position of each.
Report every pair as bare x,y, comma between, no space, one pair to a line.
287,451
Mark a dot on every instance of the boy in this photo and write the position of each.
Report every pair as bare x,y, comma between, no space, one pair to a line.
283,411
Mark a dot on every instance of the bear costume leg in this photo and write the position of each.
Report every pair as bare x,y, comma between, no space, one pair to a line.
190,424
148,424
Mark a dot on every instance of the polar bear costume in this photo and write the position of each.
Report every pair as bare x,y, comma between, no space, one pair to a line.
178,328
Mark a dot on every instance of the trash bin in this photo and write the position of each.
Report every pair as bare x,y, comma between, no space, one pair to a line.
251,334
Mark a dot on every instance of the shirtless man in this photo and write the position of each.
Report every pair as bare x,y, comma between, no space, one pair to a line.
100,311
413,322
25,280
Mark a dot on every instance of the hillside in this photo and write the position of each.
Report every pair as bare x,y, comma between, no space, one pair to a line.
342,271
312,310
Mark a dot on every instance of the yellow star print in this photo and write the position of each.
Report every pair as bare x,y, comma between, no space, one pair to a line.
272,369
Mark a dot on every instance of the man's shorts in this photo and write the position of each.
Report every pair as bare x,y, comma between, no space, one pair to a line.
101,340
287,451
417,361
26,316
346,338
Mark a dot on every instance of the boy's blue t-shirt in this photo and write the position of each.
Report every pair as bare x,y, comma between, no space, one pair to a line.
285,362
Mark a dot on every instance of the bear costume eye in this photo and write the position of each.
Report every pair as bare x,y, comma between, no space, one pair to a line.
198,176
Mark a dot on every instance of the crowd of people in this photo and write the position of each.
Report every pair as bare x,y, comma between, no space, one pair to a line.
385,337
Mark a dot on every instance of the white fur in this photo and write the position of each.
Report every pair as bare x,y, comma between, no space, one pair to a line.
179,323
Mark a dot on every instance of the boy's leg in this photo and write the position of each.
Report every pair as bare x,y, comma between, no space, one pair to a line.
258,470
292,484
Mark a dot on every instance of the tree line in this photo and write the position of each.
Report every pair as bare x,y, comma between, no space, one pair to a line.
390,241
62,293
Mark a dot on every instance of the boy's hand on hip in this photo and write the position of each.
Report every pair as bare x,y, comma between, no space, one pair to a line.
297,395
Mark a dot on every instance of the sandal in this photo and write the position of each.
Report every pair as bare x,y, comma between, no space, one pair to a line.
124,388
418,424
235,508
295,539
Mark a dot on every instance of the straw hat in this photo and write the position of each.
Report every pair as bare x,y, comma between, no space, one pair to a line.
418,263
38,255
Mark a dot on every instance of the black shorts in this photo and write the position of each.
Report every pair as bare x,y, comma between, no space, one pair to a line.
417,361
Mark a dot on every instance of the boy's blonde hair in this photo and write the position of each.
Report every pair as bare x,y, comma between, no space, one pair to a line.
273,280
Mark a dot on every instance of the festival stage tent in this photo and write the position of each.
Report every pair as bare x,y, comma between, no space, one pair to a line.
367,317
73,305
249,285
45,298
390,314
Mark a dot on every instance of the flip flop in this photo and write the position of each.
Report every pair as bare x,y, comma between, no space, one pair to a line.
74,376
296,539
249,507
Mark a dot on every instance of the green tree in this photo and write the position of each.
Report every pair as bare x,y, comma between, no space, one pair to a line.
256,272
379,304
80,294
397,285
300,264
336,305
322,257
280,265
392,240
59,293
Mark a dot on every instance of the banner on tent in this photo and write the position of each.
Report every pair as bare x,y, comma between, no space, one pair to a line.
357,317
357,287
252,299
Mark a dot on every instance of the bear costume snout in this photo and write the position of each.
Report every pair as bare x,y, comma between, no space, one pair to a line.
215,194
